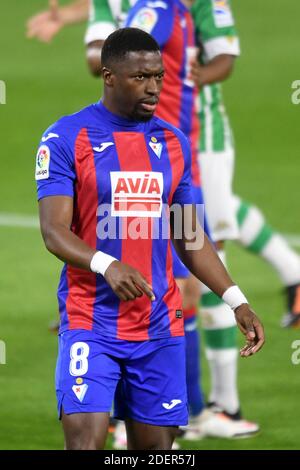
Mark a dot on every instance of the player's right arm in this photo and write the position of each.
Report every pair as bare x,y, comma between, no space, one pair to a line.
45,25
56,215
56,177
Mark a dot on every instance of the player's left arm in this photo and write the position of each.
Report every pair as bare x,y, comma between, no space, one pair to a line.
199,256
217,70
219,42
47,24
101,24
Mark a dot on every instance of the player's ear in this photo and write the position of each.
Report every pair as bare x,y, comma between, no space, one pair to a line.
107,75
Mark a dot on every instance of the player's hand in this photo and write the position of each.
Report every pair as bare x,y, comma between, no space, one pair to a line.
126,282
44,26
252,329
196,73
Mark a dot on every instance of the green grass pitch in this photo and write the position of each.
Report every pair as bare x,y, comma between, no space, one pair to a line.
44,82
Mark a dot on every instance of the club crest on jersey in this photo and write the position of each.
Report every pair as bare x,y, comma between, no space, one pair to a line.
136,193
156,146
145,19
42,163
222,14
80,391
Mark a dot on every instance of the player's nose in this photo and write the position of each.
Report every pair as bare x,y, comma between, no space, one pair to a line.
152,87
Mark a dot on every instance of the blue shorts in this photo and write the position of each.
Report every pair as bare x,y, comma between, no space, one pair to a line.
147,379
179,269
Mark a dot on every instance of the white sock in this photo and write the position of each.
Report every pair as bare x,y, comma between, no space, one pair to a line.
259,238
283,259
223,367
219,326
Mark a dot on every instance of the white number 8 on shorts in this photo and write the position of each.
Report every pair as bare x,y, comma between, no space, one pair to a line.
79,363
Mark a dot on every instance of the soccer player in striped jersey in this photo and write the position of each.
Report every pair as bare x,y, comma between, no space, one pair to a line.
104,193
261,239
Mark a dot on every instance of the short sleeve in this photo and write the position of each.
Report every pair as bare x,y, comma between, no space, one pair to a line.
215,28
156,19
54,169
101,21
183,193
99,10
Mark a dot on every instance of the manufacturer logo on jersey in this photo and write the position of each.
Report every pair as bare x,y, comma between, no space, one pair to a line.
42,163
80,391
222,14
51,135
156,146
169,406
146,19
136,193
103,146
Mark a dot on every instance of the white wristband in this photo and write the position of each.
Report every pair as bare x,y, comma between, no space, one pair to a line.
100,262
234,297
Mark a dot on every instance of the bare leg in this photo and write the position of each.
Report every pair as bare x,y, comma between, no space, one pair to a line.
85,431
141,436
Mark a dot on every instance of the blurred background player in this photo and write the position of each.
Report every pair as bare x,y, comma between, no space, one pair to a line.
202,423
171,24
229,217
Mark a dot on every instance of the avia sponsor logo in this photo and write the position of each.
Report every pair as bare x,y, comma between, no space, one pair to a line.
136,193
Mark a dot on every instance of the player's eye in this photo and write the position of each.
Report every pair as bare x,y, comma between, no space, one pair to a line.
159,76
139,77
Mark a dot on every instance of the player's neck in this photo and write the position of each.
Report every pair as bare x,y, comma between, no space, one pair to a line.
113,107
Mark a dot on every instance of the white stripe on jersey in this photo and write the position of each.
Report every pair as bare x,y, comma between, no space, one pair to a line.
208,119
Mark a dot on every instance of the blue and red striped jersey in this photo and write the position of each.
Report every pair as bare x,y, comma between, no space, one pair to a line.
122,175
171,24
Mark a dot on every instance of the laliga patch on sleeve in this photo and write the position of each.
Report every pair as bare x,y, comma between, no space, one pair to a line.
42,163
222,14
145,19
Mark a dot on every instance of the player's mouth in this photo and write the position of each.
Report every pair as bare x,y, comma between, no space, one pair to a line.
149,106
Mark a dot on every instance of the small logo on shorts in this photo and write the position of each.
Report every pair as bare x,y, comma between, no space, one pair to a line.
169,406
80,391
178,314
